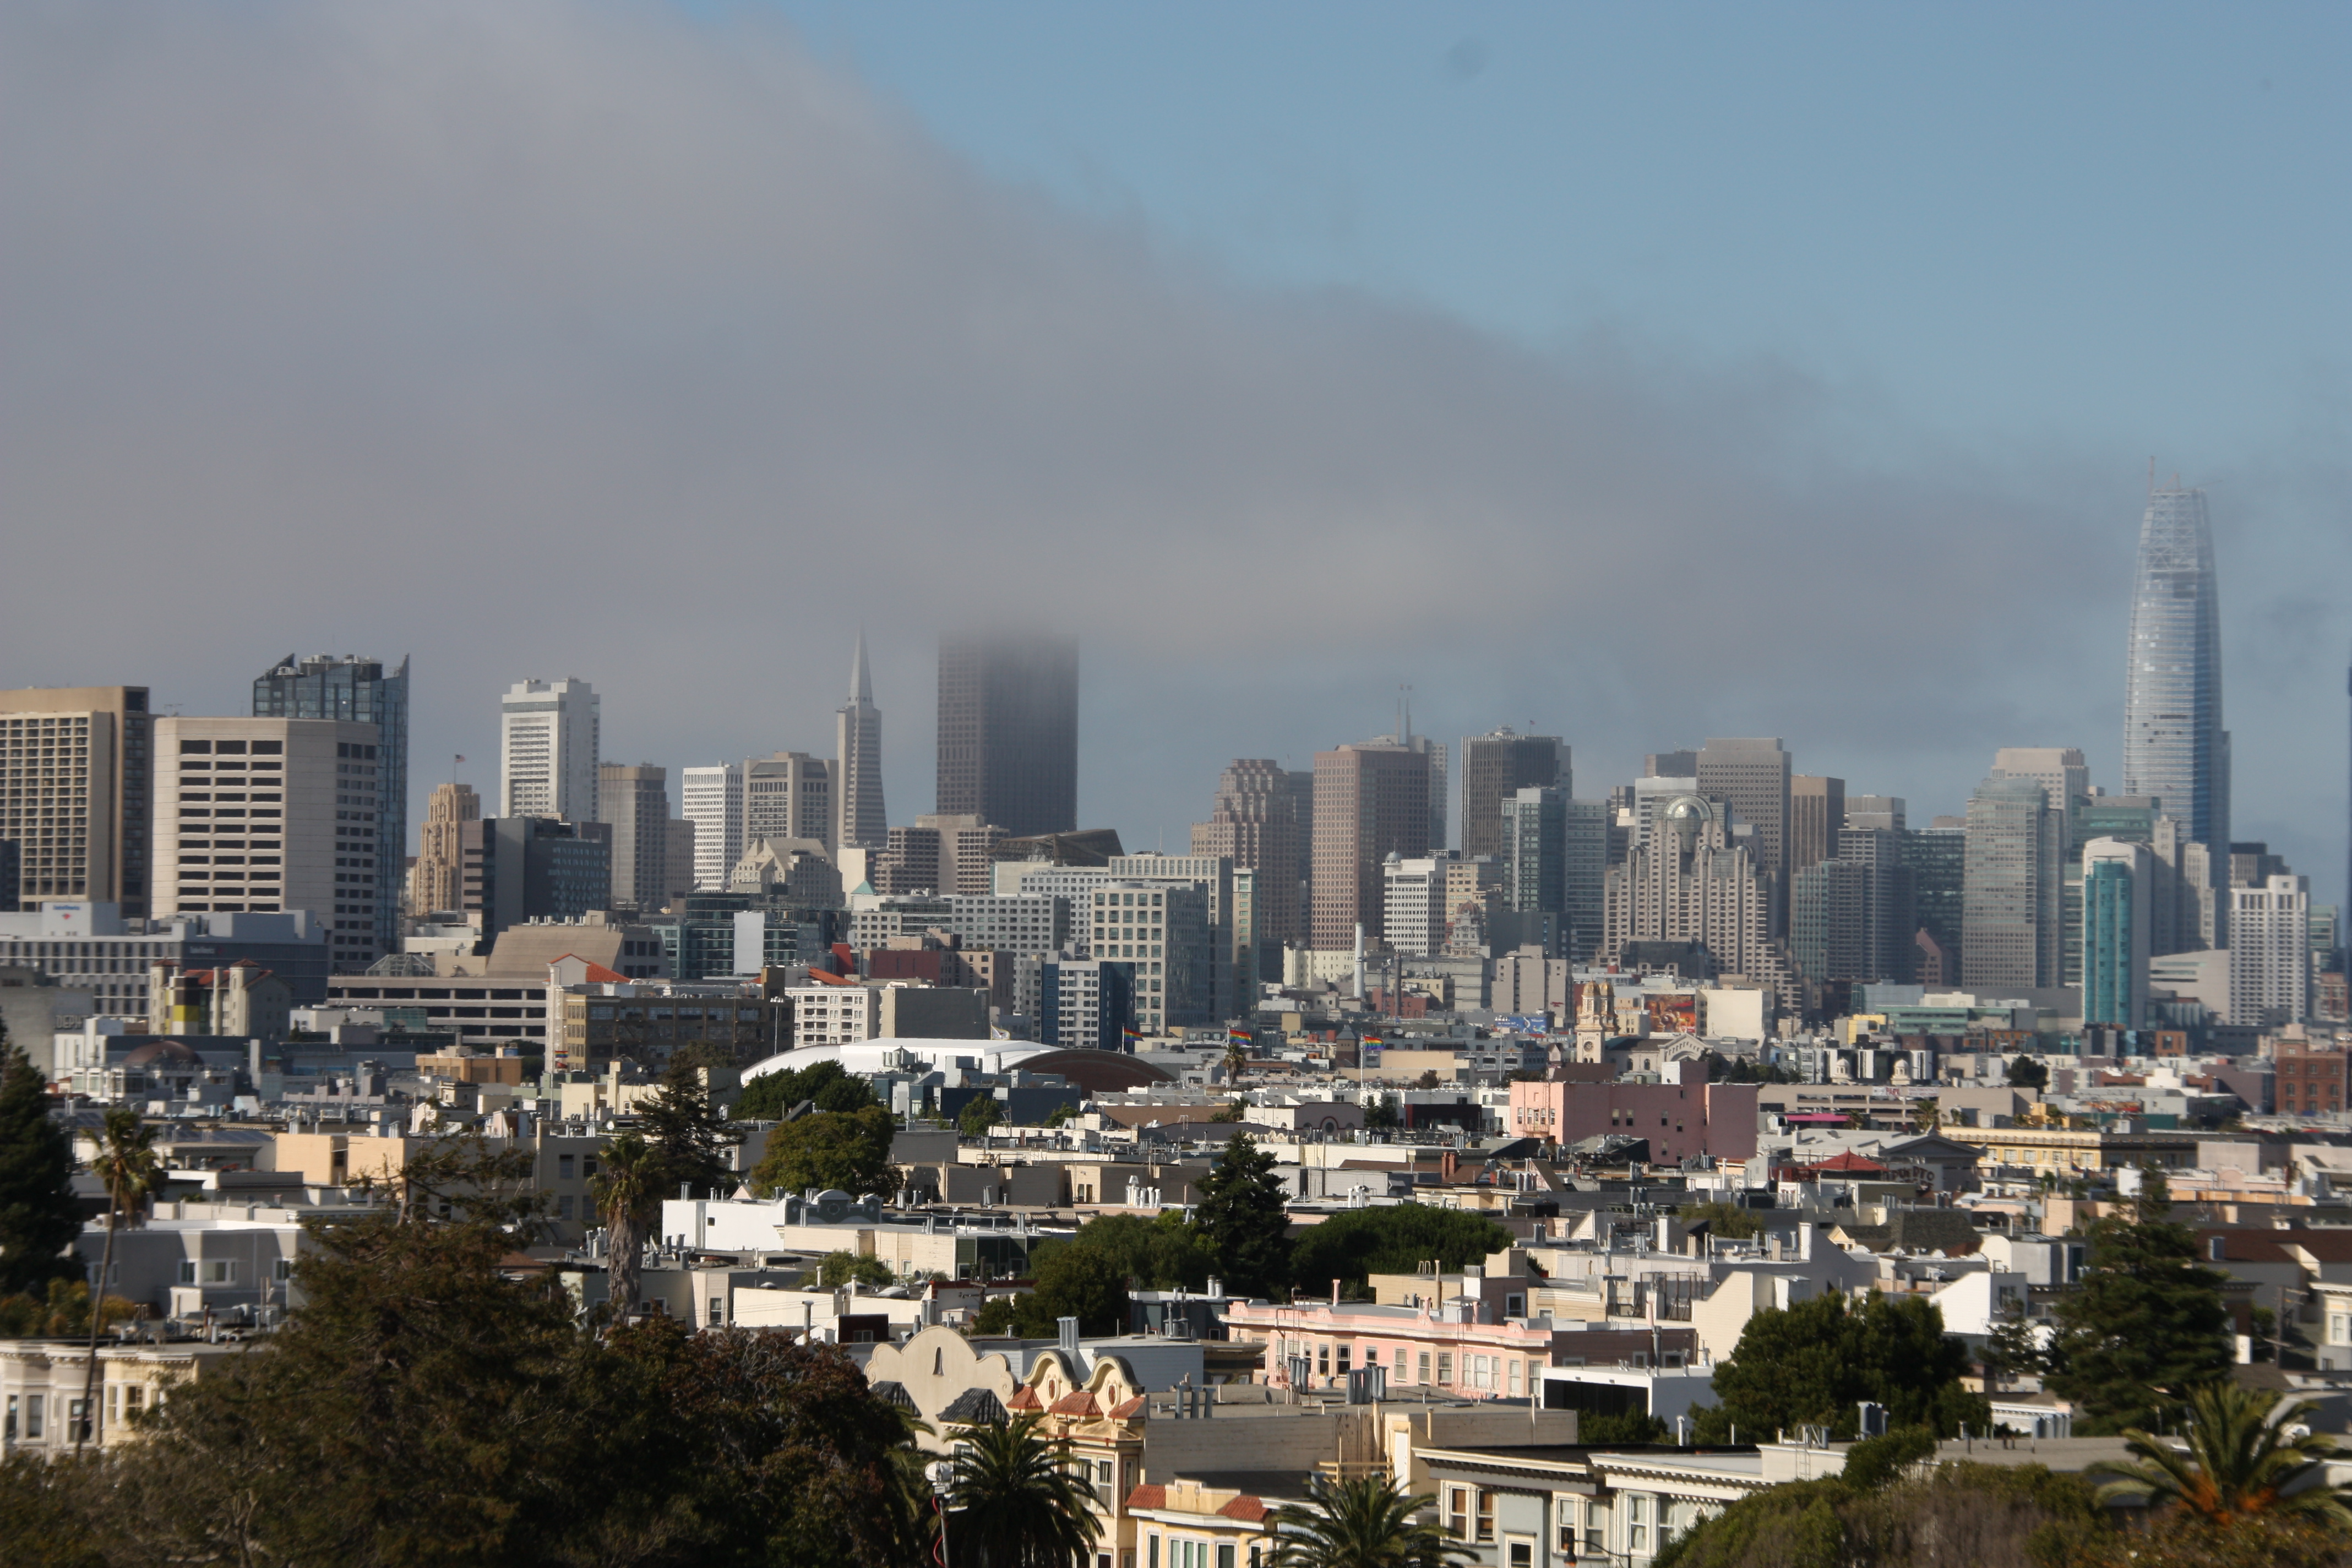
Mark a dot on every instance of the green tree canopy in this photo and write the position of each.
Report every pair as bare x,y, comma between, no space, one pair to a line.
2240,1462
38,1215
2024,1072
826,1084
1395,1238
849,1150
1014,1502
1162,1253
1728,1221
689,1136
979,1114
1243,1220
1814,1362
2145,1325
836,1269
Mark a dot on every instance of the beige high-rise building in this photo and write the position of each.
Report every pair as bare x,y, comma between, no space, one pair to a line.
789,795
1752,777
1255,824
1369,802
1816,814
438,880
634,802
78,764
263,815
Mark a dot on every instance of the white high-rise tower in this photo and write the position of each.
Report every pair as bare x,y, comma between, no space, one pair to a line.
547,750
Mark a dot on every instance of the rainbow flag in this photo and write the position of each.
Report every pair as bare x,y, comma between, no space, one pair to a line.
1372,1042
1131,1036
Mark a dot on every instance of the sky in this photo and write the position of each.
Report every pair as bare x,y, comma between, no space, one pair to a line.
1635,375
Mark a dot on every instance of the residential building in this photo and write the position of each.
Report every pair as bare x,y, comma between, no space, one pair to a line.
1231,911
1370,801
859,819
263,815
1255,823
1495,767
1816,814
2310,1078
1008,732
1460,1346
1752,775
712,799
549,740
240,999
789,795
839,1015
524,868
1682,1115
2175,747
2010,903
2119,881
79,769
1086,1003
633,801
1031,923
436,883
1160,932
356,689
2269,953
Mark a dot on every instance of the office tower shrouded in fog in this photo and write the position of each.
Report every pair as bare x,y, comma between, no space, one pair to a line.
1009,732
857,762
356,690
1369,802
2174,745
1494,768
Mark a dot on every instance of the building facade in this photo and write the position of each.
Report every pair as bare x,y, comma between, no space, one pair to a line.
549,736
1535,849
712,799
78,762
2269,953
1369,802
859,817
356,689
634,802
2175,747
1008,732
438,881
1816,815
1753,776
2011,931
1495,767
524,868
1255,823
789,795
264,815
2118,884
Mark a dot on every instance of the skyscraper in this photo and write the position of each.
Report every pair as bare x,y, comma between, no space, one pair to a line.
1497,766
1254,822
789,795
1816,812
2010,900
634,801
1008,743
2270,951
2118,879
356,690
860,821
1370,801
436,883
79,802
712,799
549,741
2174,745
1751,776
1535,849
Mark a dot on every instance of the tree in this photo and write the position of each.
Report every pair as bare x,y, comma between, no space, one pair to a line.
979,1114
687,1133
1623,1427
127,1168
1397,1238
1083,1283
2240,1462
1959,1513
1728,1221
628,1192
1242,1219
843,1150
1162,1253
2024,1072
1814,1362
39,1216
1011,1502
1367,1522
1383,1114
836,1269
2146,1324
824,1086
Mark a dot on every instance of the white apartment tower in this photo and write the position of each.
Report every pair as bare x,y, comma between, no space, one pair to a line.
789,795
712,799
549,748
2269,953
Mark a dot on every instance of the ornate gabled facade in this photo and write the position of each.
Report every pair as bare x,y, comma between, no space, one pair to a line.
1697,875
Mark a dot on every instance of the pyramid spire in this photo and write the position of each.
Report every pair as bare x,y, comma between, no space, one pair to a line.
861,680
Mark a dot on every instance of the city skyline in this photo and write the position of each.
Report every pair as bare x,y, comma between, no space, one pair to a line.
1262,449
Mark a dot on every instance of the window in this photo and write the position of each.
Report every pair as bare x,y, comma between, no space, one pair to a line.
78,1424
1596,1527
563,1166
33,1426
717,1311
1520,1555
2339,1327
1421,1362
1563,1523
1485,1514
1152,1553
281,1269
1457,1512
8,1422
1637,1523
1514,1379
1224,1554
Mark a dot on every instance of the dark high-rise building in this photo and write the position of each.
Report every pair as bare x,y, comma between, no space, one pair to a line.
357,690
1494,768
523,868
1816,815
1009,732
1936,857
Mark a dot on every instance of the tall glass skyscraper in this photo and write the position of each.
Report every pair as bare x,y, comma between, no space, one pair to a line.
2174,746
362,691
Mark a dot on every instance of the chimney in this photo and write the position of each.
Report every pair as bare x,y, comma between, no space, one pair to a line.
1068,1345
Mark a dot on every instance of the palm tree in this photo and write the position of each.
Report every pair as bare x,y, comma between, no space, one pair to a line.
1013,1502
2240,1462
1363,1523
127,1167
628,1193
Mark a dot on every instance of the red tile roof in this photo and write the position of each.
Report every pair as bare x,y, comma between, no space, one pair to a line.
1132,1407
1849,1161
1077,1402
1249,1508
1147,1496
1026,1398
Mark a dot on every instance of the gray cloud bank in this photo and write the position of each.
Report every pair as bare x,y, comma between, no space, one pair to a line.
546,339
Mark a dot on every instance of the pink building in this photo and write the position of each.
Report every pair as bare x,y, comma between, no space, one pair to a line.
1456,1347
1682,1116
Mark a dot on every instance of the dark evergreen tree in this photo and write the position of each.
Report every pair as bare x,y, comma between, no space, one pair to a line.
38,1215
1395,1239
1815,1362
2147,1323
1241,1216
2024,1072
689,1136
824,1086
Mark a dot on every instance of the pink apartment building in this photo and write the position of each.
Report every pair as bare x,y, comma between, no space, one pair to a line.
1682,1116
